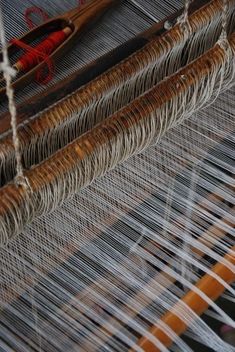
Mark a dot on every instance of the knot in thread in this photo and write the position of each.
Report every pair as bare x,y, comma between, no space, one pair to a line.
22,180
224,43
4,67
183,20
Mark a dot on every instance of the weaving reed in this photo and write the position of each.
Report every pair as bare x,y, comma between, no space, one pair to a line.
121,234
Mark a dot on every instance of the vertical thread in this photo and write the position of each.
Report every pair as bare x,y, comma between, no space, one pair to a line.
186,10
8,74
183,19
224,20
223,39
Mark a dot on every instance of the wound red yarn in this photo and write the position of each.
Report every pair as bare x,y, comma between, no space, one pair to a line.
40,53
34,10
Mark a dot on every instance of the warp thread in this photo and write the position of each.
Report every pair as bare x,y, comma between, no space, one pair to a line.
146,124
112,91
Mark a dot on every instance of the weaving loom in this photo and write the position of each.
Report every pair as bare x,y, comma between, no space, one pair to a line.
117,185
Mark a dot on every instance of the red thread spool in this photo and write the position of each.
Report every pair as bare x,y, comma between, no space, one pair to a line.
40,53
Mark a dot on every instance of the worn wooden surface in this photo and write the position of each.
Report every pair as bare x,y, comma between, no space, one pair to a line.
82,76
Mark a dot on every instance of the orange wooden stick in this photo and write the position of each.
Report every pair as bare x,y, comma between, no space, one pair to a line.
209,286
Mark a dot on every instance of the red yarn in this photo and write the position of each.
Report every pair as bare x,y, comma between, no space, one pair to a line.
81,2
40,53
34,10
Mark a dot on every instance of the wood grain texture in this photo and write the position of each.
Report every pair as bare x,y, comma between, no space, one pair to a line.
105,136
82,76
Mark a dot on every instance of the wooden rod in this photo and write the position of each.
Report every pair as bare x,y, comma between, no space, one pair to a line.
89,149
158,47
209,286
51,95
69,249
109,221
151,285
48,124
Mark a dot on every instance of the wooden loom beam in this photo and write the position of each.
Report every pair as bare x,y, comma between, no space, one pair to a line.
208,286
111,220
194,301
89,145
167,41
218,233
214,229
60,90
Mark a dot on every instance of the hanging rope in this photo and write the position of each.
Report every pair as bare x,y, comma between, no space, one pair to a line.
224,19
223,39
183,19
9,73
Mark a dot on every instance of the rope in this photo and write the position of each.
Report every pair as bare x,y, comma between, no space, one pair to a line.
183,19
223,39
224,19
8,74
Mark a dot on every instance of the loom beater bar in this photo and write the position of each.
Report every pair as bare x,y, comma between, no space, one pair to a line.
91,71
156,50
14,198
